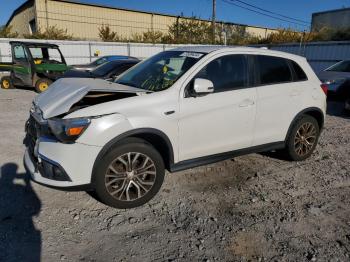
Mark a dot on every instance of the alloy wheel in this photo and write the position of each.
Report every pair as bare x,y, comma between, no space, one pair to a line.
305,139
130,176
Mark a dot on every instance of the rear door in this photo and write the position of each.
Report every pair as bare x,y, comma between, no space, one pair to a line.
278,98
222,121
22,73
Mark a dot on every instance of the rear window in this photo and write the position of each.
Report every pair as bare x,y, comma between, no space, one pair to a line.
299,73
273,70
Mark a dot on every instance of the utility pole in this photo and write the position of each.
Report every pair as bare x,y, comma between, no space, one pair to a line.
213,21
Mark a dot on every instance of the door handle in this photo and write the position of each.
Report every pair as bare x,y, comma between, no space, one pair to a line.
246,103
169,112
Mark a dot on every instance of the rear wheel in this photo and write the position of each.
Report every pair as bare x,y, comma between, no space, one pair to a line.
6,82
129,175
302,139
42,85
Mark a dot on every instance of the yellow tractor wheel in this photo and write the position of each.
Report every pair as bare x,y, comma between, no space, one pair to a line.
6,83
42,85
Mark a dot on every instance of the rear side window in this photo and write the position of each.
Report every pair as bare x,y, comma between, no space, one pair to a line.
299,73
273,70
226,72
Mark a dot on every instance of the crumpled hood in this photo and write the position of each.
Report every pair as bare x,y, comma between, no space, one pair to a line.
64,93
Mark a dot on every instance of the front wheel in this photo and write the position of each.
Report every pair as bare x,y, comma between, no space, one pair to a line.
129,175
42,85
302,139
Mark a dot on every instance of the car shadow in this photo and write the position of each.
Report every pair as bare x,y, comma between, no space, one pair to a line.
25,88
19,239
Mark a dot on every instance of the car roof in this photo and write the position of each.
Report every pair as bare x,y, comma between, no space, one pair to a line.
119,57
123,62
34,44
210,49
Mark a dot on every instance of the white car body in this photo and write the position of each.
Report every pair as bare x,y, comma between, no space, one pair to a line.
194,128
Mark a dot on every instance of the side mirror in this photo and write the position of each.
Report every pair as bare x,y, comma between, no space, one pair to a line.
203,86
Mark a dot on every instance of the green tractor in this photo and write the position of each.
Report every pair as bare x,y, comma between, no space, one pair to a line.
33,65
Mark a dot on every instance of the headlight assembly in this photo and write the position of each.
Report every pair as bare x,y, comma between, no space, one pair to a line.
68,130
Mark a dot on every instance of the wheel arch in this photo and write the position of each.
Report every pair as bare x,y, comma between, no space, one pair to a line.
158,139
315,112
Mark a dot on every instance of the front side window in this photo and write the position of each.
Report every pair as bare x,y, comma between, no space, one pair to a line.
19,53
160,71
227,72
273,70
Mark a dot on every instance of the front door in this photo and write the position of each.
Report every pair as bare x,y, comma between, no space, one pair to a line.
22,73
222,121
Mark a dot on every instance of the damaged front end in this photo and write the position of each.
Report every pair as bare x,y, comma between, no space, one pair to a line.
49,121
36,127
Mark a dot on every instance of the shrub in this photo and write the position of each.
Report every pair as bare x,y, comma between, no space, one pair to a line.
6,32
106,34
53,33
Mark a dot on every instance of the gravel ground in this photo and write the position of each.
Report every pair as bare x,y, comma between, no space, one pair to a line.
251,208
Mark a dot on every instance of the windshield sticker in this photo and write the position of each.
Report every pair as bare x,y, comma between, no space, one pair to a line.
192,55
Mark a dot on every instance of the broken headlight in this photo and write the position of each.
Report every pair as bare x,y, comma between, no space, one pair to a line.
68,130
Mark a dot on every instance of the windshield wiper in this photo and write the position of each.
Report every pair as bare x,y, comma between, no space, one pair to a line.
132,85
127,84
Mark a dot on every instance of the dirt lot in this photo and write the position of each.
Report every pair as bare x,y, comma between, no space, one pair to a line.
255,207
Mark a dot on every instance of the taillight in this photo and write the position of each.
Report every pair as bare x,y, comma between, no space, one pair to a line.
324,88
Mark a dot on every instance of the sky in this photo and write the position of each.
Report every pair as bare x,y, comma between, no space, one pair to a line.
299,9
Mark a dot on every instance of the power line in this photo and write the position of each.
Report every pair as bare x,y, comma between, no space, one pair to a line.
274,17
274,13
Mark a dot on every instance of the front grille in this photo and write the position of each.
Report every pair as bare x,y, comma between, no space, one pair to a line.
35,130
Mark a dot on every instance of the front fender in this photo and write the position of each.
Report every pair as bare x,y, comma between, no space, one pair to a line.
104,129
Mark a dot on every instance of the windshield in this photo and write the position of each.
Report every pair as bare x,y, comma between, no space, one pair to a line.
160,71
104,69
343,66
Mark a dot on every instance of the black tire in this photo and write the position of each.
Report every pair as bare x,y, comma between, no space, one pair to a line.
42,85
347,106
296,147
133,145
6,83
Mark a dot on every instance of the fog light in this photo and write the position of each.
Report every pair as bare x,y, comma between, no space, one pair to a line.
58,174
51,170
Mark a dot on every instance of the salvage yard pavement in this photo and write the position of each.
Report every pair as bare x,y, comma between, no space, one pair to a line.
251,208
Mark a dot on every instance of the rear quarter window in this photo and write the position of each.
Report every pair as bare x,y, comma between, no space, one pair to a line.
299,72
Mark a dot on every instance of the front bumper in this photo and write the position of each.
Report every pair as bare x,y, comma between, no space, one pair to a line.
54,164
76,160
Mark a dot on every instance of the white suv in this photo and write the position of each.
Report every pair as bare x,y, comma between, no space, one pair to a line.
176,110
